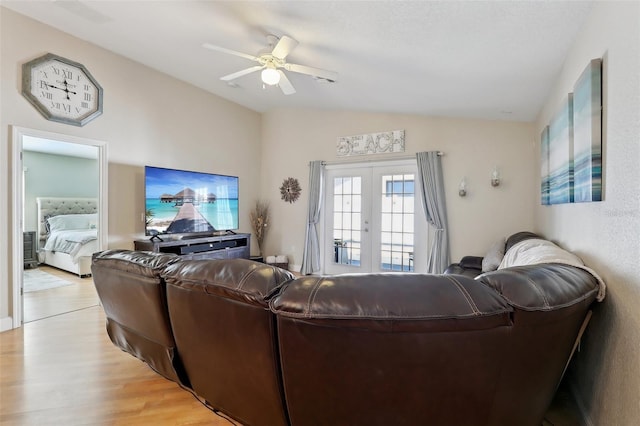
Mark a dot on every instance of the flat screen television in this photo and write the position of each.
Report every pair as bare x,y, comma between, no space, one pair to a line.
190,203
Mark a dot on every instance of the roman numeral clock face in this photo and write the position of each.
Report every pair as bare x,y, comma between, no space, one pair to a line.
62,90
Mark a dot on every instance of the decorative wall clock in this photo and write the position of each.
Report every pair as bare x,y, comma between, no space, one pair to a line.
290,190
61,90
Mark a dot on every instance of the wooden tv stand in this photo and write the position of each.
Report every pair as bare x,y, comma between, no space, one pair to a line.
213,247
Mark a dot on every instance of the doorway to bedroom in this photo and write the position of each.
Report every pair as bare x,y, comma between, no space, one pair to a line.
61,192
56,173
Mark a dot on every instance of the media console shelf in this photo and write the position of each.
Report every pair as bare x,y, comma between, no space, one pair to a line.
216,247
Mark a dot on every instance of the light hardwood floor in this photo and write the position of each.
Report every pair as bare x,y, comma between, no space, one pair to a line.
64,370
56,301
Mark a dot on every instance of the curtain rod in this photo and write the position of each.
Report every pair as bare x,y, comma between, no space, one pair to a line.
370,160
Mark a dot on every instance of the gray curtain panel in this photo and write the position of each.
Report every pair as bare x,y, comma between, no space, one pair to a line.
432,187
311,253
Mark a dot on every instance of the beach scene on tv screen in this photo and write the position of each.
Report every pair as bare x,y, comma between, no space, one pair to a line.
179,201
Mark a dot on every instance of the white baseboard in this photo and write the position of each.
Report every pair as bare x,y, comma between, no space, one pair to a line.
6,323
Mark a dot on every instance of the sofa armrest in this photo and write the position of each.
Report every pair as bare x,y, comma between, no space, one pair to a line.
543,287
471,262
470,266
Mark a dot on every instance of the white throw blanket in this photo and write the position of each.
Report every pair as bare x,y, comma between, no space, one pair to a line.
536,251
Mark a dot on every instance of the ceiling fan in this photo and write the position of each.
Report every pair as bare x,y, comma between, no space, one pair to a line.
272,62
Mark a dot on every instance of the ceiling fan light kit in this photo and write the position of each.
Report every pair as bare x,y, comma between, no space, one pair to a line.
270,76
272,62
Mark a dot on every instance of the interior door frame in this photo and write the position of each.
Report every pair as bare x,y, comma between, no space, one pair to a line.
16,256
420,228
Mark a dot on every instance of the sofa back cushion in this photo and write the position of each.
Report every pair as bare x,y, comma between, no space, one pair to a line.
390,349
393,301
226,335
133,294
237,279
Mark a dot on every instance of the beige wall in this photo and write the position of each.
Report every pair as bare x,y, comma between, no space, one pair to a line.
291,138
606,373
149,118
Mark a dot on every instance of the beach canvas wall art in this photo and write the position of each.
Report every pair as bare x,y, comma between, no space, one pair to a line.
560,154
571,145
544,167
587,134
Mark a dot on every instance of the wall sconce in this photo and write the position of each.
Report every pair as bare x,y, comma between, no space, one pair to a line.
462,188
495,178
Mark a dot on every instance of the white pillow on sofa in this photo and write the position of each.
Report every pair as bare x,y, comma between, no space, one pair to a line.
494,256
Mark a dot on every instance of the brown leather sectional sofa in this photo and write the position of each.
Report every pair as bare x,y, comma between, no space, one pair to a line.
369,349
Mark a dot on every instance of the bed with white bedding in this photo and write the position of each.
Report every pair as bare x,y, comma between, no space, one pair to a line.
67,233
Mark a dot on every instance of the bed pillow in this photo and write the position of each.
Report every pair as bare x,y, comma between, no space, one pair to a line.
47,227
93,222
494,256
72,221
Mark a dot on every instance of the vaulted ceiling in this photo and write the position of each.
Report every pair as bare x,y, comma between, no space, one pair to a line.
473,59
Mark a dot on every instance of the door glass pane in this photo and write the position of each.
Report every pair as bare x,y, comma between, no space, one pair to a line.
346,220
337,220
337,203
408,222
346,187
356,236
357,185
385,224
347,209
408,204
356,218
346,203
385,237
356,201
407,239
386,205
396,248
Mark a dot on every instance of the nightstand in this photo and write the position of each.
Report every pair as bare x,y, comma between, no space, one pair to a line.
30,249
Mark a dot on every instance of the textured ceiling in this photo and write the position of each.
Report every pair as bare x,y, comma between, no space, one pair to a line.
477,59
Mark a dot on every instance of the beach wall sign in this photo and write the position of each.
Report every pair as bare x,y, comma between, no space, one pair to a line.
373,143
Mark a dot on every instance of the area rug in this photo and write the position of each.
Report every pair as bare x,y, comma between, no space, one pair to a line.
36,280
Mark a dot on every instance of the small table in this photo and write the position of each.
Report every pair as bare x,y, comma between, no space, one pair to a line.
30,252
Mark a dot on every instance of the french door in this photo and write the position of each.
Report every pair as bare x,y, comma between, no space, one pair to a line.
373,220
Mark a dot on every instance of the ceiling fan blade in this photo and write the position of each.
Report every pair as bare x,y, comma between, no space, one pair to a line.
241,73
229,51
284,46
316,72
285,84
